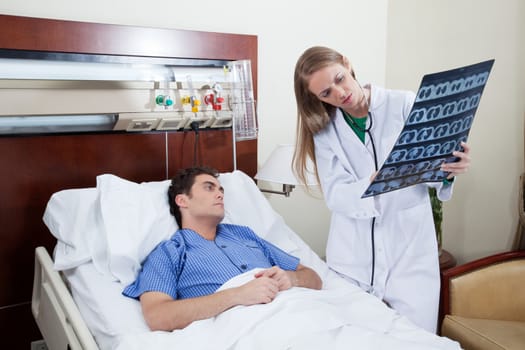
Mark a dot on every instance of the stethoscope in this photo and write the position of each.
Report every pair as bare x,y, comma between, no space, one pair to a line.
367,130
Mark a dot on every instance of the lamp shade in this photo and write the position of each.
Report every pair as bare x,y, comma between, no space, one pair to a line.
278,167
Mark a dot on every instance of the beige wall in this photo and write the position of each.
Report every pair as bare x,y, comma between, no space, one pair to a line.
425,36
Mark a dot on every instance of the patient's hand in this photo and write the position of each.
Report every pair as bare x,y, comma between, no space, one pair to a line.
258,291
283,278
302,277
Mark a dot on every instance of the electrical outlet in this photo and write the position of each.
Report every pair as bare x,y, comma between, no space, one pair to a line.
39,345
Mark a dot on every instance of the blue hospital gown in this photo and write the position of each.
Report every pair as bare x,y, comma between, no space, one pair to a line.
187,265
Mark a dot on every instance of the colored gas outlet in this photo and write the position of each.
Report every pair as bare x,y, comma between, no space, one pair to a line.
164,100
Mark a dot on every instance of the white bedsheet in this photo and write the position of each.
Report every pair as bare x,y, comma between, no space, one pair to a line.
339,318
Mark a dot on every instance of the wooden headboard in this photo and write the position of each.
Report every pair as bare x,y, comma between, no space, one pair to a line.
34,167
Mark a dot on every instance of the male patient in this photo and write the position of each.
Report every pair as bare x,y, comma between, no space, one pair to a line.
178,280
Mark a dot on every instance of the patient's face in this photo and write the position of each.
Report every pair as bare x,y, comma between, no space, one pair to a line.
206,198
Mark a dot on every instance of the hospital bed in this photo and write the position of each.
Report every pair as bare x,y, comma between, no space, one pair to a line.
103,233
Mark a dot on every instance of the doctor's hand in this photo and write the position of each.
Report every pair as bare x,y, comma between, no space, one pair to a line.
283,278
258,291
460,166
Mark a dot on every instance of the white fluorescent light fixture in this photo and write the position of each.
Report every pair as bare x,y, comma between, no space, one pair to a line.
62,66
45,124
62,70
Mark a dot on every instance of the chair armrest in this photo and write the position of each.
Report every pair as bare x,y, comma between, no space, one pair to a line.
491,287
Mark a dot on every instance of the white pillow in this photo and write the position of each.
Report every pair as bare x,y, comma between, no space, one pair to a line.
135,218
73,217
245,204
122,224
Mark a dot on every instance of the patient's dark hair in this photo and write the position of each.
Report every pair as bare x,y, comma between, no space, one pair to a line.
181,183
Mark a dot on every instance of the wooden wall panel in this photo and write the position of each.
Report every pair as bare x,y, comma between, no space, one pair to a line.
17,327
34,167
247,156
214,149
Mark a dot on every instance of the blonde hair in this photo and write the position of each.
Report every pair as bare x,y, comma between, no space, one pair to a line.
312,114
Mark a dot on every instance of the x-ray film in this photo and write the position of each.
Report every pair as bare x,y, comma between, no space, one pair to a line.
439,121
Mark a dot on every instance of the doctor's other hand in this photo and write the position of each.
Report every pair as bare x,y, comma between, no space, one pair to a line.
461,166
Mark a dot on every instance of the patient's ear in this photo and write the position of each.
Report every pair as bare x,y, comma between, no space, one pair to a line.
181,200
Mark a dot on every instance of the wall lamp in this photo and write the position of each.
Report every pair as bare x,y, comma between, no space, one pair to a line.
278,169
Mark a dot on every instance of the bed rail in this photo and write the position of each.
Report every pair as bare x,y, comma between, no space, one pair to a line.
54,309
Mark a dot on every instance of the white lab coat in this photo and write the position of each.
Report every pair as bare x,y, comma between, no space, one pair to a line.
406,255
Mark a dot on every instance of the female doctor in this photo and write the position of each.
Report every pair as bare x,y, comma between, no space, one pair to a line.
385,244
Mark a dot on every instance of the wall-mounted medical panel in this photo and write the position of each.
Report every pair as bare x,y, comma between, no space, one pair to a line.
129,93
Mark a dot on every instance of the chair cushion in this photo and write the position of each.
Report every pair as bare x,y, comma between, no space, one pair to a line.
475,333
501,296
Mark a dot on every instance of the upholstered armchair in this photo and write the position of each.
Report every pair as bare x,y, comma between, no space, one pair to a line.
483,302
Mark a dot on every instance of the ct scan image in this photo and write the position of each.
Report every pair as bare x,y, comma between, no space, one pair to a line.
440,119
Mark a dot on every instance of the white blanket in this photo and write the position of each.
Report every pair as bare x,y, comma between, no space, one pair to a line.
299,318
